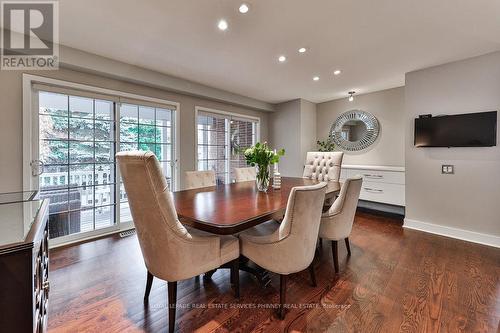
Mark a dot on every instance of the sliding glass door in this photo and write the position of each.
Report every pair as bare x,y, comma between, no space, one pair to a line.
221,138
77,137
147,128
77,149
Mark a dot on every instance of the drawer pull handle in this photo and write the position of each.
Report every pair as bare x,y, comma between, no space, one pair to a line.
46,286
373,176
373,190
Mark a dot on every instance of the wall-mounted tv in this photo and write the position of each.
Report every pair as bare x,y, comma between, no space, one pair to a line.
461,130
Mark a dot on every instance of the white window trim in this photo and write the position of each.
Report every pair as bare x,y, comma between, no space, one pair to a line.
198,109
29,104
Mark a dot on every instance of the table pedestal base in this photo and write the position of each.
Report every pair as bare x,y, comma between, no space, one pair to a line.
246,265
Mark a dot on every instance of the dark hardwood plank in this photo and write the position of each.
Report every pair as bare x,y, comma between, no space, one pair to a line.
395,280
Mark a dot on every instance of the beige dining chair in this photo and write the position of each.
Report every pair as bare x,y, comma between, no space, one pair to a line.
170,251
323,166
336,223
244,174
288,247
198,179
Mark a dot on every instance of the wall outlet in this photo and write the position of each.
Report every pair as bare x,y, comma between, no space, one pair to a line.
447,169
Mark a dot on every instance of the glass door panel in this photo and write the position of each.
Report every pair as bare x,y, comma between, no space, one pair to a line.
147,128
77,147
220,141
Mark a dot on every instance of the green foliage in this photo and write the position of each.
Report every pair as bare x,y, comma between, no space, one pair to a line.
326,145
53,126
261,155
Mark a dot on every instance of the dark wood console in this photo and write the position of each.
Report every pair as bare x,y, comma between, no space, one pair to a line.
24,266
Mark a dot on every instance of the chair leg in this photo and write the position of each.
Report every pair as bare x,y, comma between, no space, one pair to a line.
335,254
149,283
282,296
172,305
313,275
348,245
235,277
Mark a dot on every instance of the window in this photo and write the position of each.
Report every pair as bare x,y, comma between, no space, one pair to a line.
221,138
145,127
242,135
78,136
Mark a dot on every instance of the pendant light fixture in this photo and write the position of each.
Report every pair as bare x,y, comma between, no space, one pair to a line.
351,95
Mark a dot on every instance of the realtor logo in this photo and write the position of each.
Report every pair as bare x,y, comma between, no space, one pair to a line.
30,36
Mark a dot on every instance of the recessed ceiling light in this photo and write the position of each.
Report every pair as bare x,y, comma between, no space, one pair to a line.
337,72
282,58
222,25
244,8
316,78
302,50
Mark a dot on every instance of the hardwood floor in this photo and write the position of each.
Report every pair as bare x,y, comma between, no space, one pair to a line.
396,280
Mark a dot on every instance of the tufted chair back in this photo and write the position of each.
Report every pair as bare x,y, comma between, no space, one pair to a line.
323,166
244,174
197,179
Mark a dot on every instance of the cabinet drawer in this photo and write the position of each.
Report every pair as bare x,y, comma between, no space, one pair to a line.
391,177
380,176
383,192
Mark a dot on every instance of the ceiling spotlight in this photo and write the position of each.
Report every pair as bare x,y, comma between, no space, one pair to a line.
351,95
316,78
302,50
244,8
281,58
222,25
337,72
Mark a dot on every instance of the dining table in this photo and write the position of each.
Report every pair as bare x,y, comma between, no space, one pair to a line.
228,209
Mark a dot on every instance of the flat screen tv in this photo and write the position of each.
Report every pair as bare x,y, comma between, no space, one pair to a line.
462,130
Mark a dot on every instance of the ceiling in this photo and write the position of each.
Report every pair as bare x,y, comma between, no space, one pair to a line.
373,42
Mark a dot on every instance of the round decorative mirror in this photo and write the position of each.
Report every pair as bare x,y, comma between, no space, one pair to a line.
355,130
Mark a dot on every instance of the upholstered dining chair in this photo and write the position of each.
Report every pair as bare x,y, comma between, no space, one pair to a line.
336,223
244,174
197,179
288,247
170,251
323,166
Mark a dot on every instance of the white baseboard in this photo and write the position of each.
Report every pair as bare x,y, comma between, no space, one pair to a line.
78,238
466,235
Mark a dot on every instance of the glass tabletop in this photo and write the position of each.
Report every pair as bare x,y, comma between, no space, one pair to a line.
12,197
16,219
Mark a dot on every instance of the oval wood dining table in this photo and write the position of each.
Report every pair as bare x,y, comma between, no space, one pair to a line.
232,208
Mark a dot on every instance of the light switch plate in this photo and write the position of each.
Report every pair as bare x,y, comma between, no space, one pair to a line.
447,169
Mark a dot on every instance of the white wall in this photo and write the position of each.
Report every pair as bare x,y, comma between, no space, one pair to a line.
307,129
388,107
11,125
470,199
293,127
284,132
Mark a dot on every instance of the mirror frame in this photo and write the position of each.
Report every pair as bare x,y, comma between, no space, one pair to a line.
372,130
